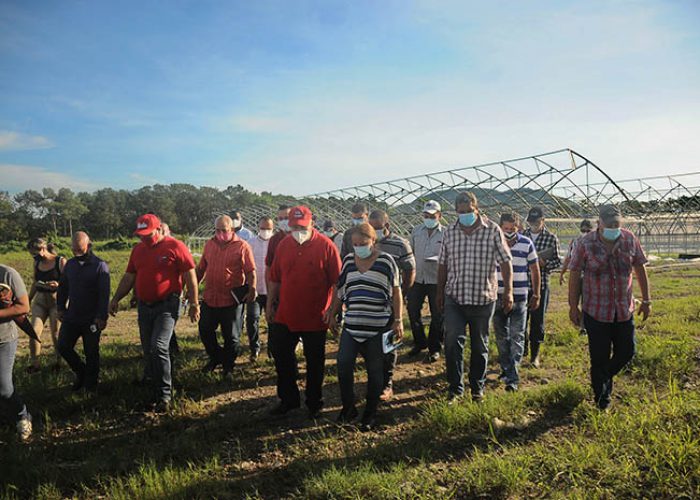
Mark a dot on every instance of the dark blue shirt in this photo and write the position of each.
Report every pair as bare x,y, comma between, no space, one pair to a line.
85,287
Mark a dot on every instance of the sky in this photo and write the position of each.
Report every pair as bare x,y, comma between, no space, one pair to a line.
300,97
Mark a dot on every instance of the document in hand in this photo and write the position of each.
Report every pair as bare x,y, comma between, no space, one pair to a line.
388,342
239,293
546,253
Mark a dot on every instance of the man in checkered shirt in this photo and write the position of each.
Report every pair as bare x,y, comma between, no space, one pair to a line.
608,257
467,290
547,247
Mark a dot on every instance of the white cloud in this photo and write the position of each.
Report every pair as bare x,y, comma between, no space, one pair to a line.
15,141
16,178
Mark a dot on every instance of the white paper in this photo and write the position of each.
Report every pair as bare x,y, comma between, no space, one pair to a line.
387,342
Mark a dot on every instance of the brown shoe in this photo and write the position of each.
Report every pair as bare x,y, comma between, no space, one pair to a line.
387,393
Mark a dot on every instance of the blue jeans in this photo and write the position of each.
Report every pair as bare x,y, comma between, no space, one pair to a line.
67,338
228,319
371,350
11,403
601,338
252,321
510,338
156,323
457,317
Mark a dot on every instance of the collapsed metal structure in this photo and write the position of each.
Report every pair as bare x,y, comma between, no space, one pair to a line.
663,210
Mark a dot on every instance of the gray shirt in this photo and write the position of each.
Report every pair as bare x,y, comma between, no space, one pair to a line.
426,248
10,277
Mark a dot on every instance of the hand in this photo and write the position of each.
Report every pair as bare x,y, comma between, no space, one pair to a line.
101,324
575,316
534,303
113,307
542,263
398,330
193,313
250,296
644,311
440,301
53,285
60,315
561,278
507,301
332,322
270,313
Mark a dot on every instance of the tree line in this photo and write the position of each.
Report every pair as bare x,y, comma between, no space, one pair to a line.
111,213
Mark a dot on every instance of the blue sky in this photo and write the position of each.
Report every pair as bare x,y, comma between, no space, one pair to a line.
306,96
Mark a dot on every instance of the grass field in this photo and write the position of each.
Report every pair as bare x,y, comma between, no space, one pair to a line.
546,441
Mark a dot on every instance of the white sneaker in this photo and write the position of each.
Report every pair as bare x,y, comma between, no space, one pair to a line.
24,429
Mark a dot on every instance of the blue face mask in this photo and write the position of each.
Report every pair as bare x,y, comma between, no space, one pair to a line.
431,223
467,219
611,234
356,222
363,252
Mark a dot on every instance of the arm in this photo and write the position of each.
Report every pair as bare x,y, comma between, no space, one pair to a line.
125,286
441,282
192,294
251,281
61,296
555,261
103,289
535,281
32,291
640,272
18,308
574,296
397,304
564,267
507,274
331,315
408,276
273,295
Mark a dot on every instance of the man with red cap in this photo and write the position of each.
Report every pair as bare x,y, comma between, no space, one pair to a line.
302,278
156,267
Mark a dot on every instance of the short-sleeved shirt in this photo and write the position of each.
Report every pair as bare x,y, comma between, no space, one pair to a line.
368,296
245,234
400,249
159,268
607,275
11,278
545,240
471,262
427,244
272,246
224,266
524,255
259,247
306,275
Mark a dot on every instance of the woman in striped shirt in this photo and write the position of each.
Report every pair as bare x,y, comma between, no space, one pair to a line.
369,288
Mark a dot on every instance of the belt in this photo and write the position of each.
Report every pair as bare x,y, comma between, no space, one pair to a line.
159,302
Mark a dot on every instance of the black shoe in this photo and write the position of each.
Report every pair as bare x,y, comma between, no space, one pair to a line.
511,388
162,406
433,357
415,350
78,384
227,376
347,415
210,366
368,421
478,397
283,409
314,413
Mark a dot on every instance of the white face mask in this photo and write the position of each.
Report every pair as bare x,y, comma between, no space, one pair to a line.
265,234
301,236
236,223
283,225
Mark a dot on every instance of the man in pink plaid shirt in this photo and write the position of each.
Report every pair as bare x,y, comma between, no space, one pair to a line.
607,258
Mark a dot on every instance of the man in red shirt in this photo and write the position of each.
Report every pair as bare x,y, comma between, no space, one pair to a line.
156,267
302,278
227,265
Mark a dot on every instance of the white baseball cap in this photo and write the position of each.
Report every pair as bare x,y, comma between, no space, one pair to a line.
431,206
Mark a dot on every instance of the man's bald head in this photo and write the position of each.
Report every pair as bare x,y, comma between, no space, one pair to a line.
80,243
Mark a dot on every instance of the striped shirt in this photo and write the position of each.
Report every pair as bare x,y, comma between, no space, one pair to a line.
471,262
400,249
368,296
524,255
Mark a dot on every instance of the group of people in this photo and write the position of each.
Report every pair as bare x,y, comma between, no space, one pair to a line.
306,280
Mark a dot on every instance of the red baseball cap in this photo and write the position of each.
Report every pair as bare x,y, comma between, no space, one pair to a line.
146,224
299,216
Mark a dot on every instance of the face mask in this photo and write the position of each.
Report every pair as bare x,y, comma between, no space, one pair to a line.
380,233
150,240
301,236
236,223
224,237
265,234
431,223
283,225
467,219
363,252
511,236
357,222
330,234
611,234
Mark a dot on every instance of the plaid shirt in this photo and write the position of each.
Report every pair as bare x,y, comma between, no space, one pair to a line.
607,275
546,239
471,262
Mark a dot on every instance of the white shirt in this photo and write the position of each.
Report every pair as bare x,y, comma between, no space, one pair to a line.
259,247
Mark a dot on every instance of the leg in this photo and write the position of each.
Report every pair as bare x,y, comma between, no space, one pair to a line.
436,333
11,403
208,321
416,297
314,344
455,336
389,363
145,321
252,318
374,362
39,316
67,338
479,318
91,346
347,354
231,333
284,344
599,345
537,325
624,347
163,324
53,327
516,330
501,326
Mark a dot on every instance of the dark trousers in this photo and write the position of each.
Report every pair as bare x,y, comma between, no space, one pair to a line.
457,317
68,336
416,298
372,352
228,318
11,404
389,362
252,321
602,338
284,344
536,319
156,323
